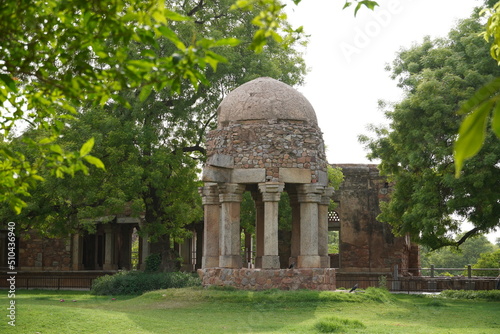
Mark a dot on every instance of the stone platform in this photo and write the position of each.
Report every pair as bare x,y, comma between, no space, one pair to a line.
264,279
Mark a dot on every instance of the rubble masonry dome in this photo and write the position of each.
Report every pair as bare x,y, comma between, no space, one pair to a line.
264,99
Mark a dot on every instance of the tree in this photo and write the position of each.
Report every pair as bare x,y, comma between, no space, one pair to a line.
488,260
60,55
483,106
469,253
153,147
416,151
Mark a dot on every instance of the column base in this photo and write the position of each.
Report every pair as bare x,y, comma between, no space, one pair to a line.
210,262
308,261
325,261
110,267
270,262
230,261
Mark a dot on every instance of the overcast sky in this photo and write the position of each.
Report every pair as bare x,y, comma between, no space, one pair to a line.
347,57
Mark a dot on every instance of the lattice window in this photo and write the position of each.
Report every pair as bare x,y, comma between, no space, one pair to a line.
333,217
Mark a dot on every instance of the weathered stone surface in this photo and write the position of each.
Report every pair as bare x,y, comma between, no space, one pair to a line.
263,279
221,160
265,98
255,175
216,174
294,175
367,245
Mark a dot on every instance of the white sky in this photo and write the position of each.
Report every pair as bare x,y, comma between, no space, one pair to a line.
347,55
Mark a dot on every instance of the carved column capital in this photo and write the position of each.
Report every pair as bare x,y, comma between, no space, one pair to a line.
326,196
209,194
310,193
231,192
271,191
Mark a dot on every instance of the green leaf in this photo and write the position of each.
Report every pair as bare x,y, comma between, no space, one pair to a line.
87,147
9,82
471,135
174,16
227,42
172,36
94,161
481,95
495,120
145,92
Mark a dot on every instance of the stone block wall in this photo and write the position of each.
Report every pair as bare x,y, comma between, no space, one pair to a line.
366,244
263,279
39,253
270,144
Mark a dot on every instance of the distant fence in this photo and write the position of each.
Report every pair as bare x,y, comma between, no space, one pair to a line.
52,281
431,282
420,284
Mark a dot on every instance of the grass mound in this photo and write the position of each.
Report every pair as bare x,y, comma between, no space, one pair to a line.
136,283
337,325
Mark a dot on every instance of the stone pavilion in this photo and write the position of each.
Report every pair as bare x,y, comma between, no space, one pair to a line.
267,141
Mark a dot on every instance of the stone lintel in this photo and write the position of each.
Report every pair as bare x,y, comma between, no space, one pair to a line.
128,220
221,160
295,175
251,175
322,177
216,174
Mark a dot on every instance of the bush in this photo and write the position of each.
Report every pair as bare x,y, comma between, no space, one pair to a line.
153,262
136,283
490,295
337,325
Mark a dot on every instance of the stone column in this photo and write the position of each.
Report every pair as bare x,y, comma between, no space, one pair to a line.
109,250
309,196
259,228
323,228
77,252
143,250
211,205
271,192
295,242
229,231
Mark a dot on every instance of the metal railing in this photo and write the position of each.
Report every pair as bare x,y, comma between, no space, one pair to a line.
51,283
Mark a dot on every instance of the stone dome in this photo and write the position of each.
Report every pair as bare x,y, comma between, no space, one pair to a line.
265,99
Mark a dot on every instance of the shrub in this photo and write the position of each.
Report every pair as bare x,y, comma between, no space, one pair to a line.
135,283
337,325
153,262
490,295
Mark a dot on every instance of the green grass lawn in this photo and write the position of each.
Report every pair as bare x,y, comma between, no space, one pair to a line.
197,310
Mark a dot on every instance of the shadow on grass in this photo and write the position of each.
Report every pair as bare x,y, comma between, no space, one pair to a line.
234,311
